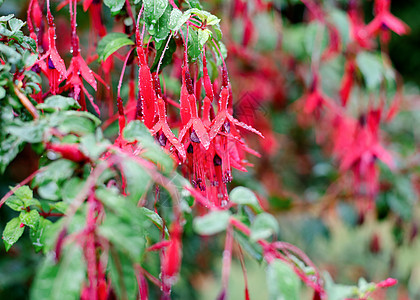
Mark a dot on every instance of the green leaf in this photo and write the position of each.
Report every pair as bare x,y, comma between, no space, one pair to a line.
341,21
137,131
204,16
29,59
15,203
315,39
111,43
51,233
218,32
114,5
365,287
263,227
6,18
203,36
372,69
177,19
92,146
61,281
58,102
2,93
338,291
155,218
160,30
76,124
49,191
244,196
12,232
12,55
212,223
282,282
137,179
167,57
30,219
123,277
253,249
9,148
37,234
30,132
56,171
125,234
267,39
194,4
154,9
60,206
194,47
16,24
24,193
223,51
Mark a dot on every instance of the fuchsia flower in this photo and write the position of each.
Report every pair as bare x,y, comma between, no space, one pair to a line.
314,100
363,150
161,128
147,97
172,258
385,21
78,69
357,26
51,63
347,81
198,133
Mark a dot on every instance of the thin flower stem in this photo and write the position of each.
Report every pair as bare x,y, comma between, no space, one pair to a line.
163,54
26,102
227,257
173,4
130,12
86,189
190,23
23,182
220,53
242,261
122,72
149,276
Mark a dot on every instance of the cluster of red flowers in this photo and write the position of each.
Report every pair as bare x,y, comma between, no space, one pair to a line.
209,142
355,140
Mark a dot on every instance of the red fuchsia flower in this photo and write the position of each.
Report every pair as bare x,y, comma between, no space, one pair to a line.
357,26
387,283
171,263
161,128
95,13
183,99
54,66
224,120
317,13
385,21
68,151
146,102
198,133
78,69
313,101
364,151
34,15
347,81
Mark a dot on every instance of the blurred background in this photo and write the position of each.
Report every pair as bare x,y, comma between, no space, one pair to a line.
297,178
